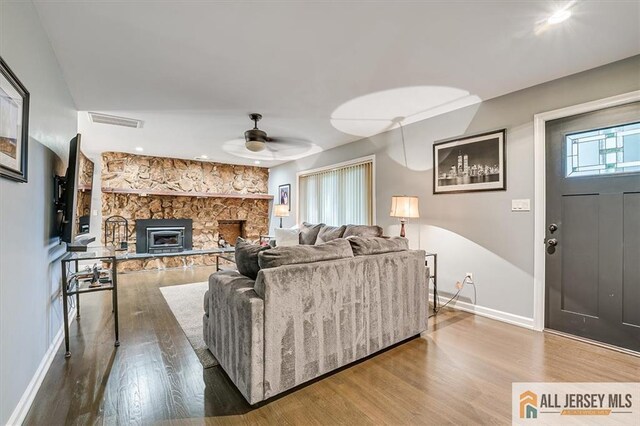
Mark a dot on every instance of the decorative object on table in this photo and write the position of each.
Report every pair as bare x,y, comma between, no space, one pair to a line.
281,210
222,243
404,207
116,232
469,164
284,195
265,240
14,125
95,277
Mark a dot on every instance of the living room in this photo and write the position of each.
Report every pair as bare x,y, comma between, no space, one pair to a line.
367,212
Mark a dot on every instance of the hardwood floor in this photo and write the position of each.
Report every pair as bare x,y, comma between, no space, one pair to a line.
460,372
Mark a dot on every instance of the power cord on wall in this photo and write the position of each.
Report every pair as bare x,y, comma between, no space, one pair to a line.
467,280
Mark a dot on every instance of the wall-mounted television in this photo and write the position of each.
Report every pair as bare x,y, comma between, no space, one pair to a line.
73,199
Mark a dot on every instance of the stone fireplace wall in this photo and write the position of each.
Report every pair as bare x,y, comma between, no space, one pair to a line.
124,172
85,181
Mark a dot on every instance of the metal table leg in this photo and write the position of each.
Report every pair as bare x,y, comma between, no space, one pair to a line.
77,297
435,282
114,280
435,278
65,308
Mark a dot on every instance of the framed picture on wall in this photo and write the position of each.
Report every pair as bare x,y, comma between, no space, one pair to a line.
469,164
284,195
14,125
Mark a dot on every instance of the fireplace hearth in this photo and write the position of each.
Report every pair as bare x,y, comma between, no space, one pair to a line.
164,235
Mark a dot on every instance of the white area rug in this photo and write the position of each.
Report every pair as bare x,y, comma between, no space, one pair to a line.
186,303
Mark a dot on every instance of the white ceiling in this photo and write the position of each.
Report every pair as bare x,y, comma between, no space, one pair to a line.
193,70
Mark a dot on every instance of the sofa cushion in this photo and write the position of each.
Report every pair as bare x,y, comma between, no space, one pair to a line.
362,231
247,257
363,246
309,233
287,237
328,233
336,249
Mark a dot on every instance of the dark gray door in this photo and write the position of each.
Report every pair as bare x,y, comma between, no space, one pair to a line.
593,226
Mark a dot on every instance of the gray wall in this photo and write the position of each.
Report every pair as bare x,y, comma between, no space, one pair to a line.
473,232
30,301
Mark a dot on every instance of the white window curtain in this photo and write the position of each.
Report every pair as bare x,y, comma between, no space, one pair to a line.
338,196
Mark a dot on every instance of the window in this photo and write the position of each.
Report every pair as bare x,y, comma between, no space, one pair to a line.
604,151
338,195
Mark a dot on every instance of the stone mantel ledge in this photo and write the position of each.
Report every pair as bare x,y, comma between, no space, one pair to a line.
152,192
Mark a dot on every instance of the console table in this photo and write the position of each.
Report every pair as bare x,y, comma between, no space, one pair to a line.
71,285
225,253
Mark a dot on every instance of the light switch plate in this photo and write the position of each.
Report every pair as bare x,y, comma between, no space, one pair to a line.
523,205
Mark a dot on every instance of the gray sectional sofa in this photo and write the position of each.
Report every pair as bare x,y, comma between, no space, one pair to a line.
313,309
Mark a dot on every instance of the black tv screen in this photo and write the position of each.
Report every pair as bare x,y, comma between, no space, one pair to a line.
76,197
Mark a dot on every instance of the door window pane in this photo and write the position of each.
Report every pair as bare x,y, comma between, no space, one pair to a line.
602,152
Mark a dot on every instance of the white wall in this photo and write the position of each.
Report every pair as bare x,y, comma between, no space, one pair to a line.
472,232
30,301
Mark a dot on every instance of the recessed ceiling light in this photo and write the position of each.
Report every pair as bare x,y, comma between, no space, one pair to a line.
560,16
139,149
256,162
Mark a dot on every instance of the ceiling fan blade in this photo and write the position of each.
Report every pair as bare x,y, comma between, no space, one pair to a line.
282,145
288,140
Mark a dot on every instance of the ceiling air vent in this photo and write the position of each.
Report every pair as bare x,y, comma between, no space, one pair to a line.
113,120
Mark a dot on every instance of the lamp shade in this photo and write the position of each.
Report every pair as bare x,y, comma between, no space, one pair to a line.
404,206
281,210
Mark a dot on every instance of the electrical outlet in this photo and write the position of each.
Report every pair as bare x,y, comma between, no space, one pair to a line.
470,276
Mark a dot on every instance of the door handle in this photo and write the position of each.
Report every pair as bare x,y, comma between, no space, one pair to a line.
552,242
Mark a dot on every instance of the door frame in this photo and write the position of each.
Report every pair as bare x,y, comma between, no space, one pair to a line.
539,167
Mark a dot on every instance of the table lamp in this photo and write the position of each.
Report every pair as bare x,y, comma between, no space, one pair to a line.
404,207
281,210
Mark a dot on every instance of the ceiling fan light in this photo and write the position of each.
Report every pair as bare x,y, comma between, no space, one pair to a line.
254,145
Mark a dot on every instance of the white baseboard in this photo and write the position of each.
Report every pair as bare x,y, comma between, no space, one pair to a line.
21,410
513,319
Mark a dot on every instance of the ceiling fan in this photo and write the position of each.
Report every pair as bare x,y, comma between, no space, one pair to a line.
256,140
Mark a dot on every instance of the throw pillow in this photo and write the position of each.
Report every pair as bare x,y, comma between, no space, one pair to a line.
336,249
247,257
309,233
287,237
362,231
329,233
363,246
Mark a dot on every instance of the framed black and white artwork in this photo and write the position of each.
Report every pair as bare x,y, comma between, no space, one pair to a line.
14,125
472,163
284,195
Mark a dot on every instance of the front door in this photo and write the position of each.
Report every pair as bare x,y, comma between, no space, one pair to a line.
593,225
